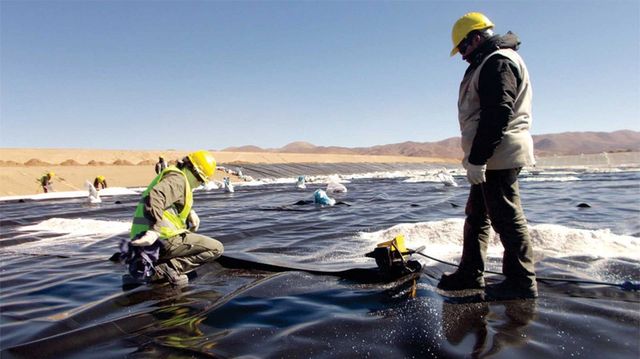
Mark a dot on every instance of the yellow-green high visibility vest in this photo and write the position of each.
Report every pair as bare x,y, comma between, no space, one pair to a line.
173,223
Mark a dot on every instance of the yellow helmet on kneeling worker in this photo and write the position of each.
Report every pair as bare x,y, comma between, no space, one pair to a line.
203,163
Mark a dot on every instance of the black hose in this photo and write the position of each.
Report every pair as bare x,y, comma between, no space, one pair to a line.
626,285
367,275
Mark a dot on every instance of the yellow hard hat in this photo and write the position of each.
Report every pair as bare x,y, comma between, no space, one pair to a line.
101,178
51,174
466,24
204,164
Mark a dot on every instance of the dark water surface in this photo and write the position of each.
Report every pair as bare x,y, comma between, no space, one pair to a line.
60,296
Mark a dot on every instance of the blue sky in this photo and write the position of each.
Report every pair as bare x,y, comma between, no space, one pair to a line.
205,74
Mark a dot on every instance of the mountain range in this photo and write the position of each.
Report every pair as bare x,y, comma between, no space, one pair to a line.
566,143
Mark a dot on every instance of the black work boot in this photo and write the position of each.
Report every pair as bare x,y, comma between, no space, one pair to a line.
460,280
509,289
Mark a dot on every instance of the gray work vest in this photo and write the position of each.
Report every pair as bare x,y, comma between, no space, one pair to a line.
516,148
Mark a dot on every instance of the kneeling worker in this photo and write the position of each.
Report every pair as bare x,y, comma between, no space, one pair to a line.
163,245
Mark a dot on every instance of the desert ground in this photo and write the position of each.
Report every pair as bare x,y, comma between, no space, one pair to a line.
21,168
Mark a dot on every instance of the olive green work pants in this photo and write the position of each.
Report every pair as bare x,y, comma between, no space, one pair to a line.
496,203
189,250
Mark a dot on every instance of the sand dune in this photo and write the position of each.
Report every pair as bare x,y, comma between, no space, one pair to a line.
20,169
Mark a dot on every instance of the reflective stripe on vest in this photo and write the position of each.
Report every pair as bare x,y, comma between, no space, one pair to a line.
172,223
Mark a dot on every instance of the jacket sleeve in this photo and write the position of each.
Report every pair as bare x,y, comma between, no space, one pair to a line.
498,88
166,193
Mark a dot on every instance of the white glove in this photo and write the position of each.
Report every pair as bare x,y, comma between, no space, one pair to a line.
149,238
475,173
193,220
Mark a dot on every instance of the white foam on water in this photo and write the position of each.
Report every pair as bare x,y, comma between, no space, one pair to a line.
607,170
79,226
265,181
326,179
431,175
558,173
443,240
111,191
65,235
437,175
557,240
379,175
446,180
433,178
543,178
289,180
211,185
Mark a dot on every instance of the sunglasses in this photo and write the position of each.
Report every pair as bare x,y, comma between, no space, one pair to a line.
464,44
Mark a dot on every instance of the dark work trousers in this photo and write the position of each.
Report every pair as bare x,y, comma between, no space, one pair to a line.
496,203
189,250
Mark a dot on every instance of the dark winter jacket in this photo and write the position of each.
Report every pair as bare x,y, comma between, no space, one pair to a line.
495,106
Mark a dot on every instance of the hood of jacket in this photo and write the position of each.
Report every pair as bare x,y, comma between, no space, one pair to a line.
495,42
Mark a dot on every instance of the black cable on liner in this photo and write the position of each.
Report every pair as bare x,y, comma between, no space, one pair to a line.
626,285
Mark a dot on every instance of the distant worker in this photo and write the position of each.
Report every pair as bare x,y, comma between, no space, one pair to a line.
100,182
300,184
161,165
46,181
228,186
163,245
494,113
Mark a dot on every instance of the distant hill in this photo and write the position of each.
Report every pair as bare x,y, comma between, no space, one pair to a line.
575,143
566,143
244,149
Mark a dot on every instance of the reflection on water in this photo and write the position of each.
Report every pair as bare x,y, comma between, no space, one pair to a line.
60,296
491,327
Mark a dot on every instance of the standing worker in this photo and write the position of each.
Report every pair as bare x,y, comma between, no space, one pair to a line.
161,165
46,181
100,181
494,111
163,245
